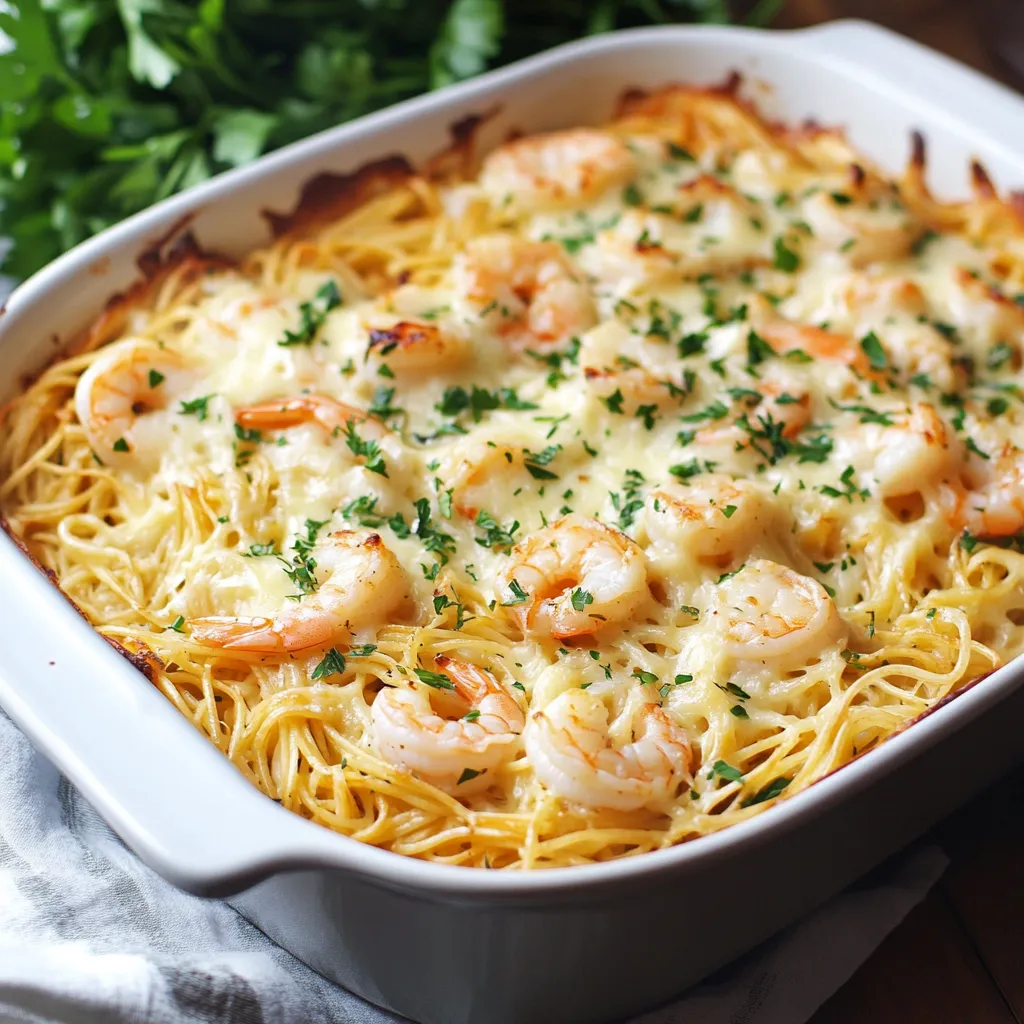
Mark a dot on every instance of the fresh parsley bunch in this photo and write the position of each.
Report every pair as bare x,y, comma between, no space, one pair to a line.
109,105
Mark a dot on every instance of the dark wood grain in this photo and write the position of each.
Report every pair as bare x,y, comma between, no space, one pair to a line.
927,971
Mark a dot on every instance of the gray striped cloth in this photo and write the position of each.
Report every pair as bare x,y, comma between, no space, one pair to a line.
88,933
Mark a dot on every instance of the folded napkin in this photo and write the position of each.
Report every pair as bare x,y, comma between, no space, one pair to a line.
89,933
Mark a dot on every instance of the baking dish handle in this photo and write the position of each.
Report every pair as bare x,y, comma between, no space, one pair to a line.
879,56
160,784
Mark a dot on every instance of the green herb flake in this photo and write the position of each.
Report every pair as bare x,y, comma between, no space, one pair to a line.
785,259
725,771
332,664
195,407
872,348
769,792
437,680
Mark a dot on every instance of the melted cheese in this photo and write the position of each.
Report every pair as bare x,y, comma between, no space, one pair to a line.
787,385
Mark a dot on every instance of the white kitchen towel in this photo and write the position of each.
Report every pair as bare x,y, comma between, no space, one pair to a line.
89,934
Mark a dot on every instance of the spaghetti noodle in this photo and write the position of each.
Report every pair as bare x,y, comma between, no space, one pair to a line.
563,511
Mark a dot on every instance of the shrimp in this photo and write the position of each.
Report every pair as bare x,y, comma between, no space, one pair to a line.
866,221
557,169
571,753
787,336
413,348
713,517
784,407
643,246
985,315
126,380
910,454
579,576
525,292
480,472
898,307
771,614
412,735
359,582
279,414
607,369
993,504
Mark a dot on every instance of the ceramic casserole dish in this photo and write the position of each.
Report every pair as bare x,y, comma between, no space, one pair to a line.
445,945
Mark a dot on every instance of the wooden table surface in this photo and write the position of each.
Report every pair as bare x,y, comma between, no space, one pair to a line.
959,955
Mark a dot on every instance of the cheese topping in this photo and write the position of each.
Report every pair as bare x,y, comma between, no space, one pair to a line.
571,511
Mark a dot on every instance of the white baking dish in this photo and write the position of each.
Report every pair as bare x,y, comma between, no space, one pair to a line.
443,944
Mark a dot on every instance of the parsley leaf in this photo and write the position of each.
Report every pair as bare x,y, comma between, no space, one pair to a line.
312,315
333,663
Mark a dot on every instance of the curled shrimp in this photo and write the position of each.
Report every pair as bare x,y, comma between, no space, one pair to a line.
571,753
866,221
280,414
911,453
984,314
555,169
607,369
451,753
787,336
525,292
992,503
125,381
713,517
480,472
784,406
359,582
644,246
771,614
898,307
578,575
411,347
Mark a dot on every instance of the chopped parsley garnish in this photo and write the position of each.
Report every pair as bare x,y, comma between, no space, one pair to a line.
694,214
686,470
120,445
849,490
368,450
872,348
248,434
580,598
259,550
477,401
519,596
177,624
156,378
724,770
785,259
739,711
758,350
614,401
437,680
195,407
647,678
469,773
999,355
495,535
536,461
677,152
312,315
769,792
631,195
973,447
332,664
